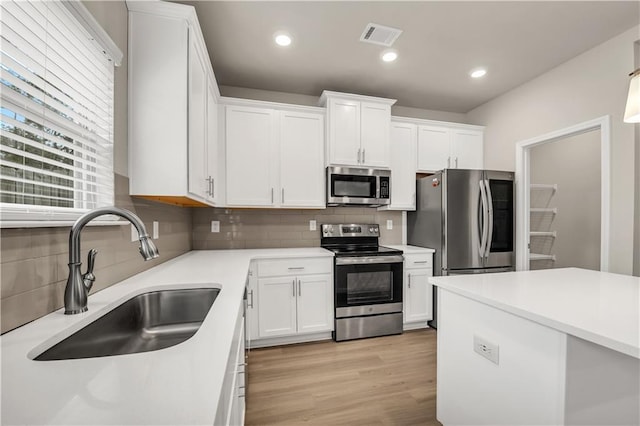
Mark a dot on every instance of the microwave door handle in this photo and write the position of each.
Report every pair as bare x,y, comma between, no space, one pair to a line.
483,226
489,218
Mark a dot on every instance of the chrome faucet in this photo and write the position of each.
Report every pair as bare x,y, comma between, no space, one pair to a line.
78,284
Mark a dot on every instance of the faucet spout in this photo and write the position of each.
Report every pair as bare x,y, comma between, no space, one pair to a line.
78,285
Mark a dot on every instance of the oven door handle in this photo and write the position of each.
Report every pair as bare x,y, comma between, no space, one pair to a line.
368,260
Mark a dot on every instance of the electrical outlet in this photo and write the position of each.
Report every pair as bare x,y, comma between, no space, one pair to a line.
487,349
215,226
156,229
134,234
312,225
389,224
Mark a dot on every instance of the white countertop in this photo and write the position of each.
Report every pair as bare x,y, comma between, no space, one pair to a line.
599,307
177,385
411,249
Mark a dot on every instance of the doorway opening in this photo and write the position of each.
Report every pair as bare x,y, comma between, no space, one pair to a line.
562,198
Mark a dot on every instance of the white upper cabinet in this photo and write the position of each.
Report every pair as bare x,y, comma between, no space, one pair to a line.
404,138
250,143
301,159
172,90
274,158
198,122
467,149
375,122
449,146
358,129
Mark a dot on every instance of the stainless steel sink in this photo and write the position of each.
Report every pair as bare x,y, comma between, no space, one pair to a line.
147,322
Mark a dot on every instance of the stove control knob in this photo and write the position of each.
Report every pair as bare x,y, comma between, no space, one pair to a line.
372,230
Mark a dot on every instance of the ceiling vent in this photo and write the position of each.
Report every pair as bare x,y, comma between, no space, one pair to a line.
379,34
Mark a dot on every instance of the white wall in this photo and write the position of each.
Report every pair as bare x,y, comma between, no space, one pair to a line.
588,86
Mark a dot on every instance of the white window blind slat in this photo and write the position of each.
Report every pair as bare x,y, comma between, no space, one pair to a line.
26,67
36,136
35,95
56,114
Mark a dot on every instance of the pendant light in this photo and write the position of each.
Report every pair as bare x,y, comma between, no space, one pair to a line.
632,112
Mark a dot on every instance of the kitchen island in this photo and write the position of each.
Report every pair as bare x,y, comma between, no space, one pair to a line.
178,385
557,346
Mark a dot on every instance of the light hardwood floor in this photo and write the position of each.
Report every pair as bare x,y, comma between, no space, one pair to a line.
387,380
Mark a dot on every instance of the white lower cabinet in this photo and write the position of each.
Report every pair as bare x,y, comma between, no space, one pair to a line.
417,290
290,299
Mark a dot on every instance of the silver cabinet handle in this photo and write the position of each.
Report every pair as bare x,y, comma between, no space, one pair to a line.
299,289
296,268
213,187
282,199
409,280
271,195
363,160
448,162
456,162
358,155
251,294
420,261
294,287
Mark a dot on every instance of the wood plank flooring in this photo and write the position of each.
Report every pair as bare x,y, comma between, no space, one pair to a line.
387,380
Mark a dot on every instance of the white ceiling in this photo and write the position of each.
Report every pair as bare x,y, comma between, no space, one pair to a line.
442,41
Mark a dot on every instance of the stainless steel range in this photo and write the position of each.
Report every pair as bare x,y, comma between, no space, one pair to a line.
367,282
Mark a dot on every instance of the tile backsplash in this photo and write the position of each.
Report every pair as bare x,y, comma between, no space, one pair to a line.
33,262
274,228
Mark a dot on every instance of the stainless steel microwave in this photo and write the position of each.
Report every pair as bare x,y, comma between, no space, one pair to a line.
356,186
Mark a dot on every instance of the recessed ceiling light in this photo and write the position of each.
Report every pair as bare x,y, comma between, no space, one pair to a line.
282,39
477,73
389,56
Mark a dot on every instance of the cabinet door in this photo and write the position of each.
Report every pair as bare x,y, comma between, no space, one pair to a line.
344,131
250,142
197,146
433,148
467,149
375,121
212,146
315,303
302,174
418,295
403,165
277,306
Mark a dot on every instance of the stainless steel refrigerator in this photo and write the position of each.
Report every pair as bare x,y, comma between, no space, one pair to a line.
468,217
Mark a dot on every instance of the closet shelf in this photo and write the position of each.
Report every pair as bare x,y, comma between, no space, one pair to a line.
543,234
544,186
543,210
538,256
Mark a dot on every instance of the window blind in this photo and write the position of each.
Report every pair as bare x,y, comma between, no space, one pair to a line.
56,114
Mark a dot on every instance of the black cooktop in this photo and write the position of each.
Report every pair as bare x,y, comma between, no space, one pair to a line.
362,250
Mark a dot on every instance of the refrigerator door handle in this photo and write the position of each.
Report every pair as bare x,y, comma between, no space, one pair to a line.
483,235
490,218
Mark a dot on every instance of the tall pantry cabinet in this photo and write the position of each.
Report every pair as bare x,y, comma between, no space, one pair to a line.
173,129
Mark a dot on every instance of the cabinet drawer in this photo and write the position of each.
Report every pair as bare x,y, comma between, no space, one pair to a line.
294,266
412,261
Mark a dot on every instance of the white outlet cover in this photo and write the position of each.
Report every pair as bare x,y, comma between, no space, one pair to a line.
215,226
489,350
389,224
156,230
312,225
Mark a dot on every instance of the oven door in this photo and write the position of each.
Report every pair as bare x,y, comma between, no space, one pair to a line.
368,285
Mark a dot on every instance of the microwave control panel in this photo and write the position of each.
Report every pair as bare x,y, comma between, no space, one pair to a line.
384,187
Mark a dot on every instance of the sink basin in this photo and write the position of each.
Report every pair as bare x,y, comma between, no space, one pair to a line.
147,322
